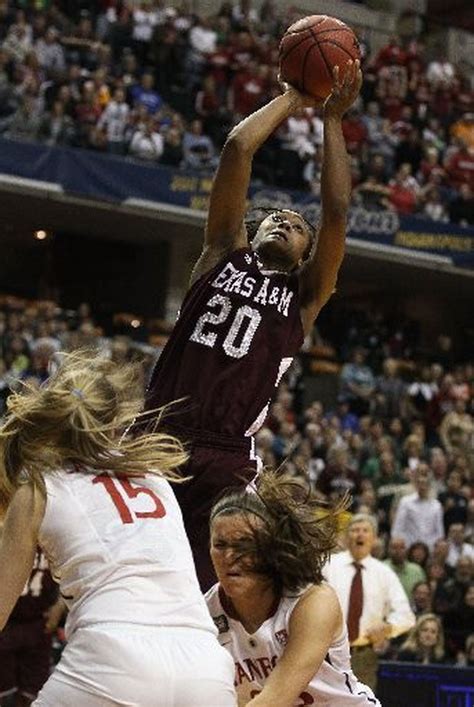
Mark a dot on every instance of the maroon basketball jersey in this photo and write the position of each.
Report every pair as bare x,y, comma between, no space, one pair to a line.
237,332
39,593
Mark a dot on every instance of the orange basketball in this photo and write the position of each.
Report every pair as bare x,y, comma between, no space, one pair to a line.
309,50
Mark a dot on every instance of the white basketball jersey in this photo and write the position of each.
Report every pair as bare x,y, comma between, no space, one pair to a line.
119,551
256,655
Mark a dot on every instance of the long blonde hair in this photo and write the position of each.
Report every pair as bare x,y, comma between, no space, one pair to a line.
413,641
79,416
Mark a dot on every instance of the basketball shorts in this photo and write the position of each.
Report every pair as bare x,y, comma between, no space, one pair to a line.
25,652
123,664
213,470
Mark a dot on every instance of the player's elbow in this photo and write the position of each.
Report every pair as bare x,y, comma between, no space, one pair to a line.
237,143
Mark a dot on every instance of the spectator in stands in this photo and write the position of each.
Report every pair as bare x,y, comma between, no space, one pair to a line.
459,166
421,598
403,190
425,643
147,143
440,71
453,501
357,382
364,583
419,518
373,123
458,623
463,129
173,148
51,54
56,127
25,123
338,478
145,94
114,122
409,573
198,150
434,207
450,592
457,428
390,392
457,546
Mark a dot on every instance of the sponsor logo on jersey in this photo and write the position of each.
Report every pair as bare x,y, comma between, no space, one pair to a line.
282,637
221,623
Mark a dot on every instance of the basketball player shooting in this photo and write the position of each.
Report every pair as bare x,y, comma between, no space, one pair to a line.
249,308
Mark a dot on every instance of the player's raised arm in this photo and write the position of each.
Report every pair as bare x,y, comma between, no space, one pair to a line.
225,229
319,275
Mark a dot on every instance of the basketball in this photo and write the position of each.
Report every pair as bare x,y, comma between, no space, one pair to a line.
309,50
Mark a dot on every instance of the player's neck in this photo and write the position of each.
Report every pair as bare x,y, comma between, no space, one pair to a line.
254,608
274,265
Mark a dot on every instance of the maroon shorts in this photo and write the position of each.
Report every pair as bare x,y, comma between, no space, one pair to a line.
25,656
213,469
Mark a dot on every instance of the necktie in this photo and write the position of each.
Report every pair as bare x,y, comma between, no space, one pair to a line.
356,598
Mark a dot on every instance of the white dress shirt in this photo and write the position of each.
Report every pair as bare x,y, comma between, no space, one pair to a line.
384,599
418,520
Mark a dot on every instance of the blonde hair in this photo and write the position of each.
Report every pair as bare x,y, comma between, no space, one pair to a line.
79,416
413,641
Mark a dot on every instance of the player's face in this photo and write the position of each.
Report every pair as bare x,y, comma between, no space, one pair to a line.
234,569
283,238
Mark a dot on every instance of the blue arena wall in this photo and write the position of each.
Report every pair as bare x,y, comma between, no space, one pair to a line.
116,179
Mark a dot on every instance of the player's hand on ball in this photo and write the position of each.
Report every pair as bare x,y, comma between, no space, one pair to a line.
343,92
298,99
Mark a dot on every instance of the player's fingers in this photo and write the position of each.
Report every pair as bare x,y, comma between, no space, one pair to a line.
335,76
348,74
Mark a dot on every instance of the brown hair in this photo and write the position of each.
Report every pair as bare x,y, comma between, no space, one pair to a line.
80,415
297,531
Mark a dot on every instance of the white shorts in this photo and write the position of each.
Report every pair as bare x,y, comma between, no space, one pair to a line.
114,664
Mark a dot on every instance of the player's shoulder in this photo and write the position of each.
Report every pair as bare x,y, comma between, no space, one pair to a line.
216,610
212,260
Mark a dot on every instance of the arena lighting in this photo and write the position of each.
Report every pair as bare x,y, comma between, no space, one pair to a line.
135,323
41,235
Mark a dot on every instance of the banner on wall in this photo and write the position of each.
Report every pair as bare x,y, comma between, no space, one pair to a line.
110,178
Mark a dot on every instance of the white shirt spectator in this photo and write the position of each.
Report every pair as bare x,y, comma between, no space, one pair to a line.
317,127
144,22
50,53
115,119
203,39
440,72
418,520
298,136
384,599
147,145
455,552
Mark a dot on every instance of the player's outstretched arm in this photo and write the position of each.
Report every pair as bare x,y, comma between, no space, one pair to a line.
318,277
314,622
18,546
225,229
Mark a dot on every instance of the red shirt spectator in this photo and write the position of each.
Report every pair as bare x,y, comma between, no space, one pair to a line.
354,130
391,54
460,167
247,91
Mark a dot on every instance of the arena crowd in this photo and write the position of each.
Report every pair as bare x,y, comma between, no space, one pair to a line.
164,85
